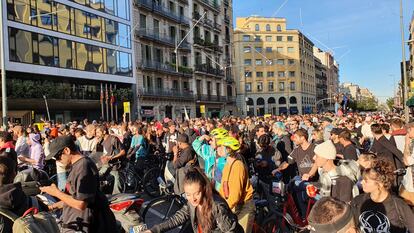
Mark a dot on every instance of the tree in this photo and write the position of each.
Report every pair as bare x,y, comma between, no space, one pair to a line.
390,102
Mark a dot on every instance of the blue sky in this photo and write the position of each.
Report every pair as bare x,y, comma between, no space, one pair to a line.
364,34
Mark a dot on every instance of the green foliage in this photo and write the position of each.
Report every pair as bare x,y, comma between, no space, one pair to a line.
367,104
390,102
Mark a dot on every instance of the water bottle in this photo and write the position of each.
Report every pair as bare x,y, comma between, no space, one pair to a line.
138,228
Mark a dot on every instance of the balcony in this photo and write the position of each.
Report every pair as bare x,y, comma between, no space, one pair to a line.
168,68
211,98
171,93
217,27
184,1
208,45
208,69
231,99
155,36
163,11
226,19
213,4
226,2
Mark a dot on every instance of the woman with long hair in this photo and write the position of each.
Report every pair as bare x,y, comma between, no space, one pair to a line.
378,210
206,210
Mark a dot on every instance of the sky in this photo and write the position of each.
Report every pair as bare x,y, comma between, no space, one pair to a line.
364,35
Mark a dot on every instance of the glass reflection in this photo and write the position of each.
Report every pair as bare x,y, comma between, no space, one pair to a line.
122,9
81,56
123,61
124,35
22,11
46,50
64,19
81,27
111,27
109,6
65,53
24,52
96,4
44,18
96,25
111,60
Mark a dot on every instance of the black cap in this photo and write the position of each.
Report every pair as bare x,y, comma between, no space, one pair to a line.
326,119
59,144
183,138
336,131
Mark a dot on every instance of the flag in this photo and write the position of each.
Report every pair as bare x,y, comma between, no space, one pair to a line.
106,93
102,94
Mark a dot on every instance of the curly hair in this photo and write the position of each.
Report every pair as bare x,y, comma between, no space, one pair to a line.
382,171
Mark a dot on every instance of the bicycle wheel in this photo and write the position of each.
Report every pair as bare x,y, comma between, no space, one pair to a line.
150,182
161,208
275,224
128,181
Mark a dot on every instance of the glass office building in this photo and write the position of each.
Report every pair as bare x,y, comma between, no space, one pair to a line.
77,46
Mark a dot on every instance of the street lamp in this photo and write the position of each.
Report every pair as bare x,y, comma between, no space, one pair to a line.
3,72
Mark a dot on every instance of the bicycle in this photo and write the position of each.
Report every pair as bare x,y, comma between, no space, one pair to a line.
154,175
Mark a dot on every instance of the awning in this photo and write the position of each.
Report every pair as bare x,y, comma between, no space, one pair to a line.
410,102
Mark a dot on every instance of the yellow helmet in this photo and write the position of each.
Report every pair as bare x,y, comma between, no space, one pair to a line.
219,133
230,142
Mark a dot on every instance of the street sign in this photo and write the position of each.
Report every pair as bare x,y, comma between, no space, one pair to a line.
127,107
202,109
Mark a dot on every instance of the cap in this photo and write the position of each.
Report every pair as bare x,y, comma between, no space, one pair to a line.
183,138
336,131
326,119
59,144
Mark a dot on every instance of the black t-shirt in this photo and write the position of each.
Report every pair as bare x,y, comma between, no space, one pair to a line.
184,157
112,146
342,188
82,184
350,152
382,217
303,158
339,148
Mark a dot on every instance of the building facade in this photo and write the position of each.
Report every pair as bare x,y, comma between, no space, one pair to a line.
76,55
321,85
274,68
332,74
183,71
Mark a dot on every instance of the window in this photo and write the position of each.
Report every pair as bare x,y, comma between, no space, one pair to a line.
267,27
248,87
175,85
259,74
259,86
269,38
247,49
291,73
246,38
291,61
247,74
268,49
292,86
279,38
279,49
270,86
159,84
270,74
280,61
257,27
248,62
290,38
259,49
281,74
278,28
290,50
257,39
281,86
259,62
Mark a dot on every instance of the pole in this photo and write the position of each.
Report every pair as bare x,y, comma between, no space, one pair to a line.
116,106
3,71
106,101
102,104
112,104
47,107
405,81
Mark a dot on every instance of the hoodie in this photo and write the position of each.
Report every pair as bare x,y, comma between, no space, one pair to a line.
12,198
36,151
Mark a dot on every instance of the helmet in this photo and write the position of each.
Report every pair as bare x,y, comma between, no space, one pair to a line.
264,140
229,142
219,133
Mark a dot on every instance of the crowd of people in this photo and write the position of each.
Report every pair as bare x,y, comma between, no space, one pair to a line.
352,159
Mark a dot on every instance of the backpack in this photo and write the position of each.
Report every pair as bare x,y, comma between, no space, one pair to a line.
32,221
